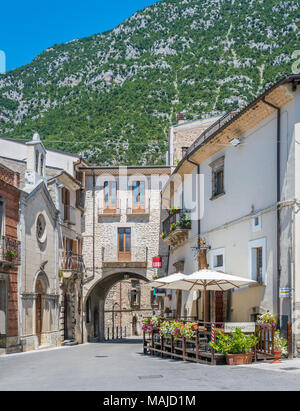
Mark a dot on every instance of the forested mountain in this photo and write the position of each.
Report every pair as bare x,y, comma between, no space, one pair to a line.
112,96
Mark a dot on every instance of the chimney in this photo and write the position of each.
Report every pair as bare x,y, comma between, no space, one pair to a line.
180,118
202,259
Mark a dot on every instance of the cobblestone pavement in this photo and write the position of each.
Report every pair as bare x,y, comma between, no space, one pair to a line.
122,366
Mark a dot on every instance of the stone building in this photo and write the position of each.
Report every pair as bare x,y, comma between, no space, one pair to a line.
51,263
9,259
120,238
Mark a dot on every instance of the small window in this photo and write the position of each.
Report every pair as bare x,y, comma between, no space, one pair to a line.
37,154
42,164
218,259
66,203
217,177
257,260
256,223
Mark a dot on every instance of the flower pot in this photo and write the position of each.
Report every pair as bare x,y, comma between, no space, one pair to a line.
277,355
239,359
195,327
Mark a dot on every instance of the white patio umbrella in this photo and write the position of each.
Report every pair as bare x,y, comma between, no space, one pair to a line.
160,282
208,280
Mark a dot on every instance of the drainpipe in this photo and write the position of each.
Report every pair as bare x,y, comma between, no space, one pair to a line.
198,234
278,206
94,202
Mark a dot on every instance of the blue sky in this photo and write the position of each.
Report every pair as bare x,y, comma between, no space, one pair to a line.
29,27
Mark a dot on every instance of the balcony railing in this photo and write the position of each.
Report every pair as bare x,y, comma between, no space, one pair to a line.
140,209
138,257
10,250
178,220
226,118
73,261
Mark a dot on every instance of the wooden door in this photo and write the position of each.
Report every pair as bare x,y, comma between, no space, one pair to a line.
124,244
39,317
219,307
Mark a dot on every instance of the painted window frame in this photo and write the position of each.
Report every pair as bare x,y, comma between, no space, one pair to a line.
213,254
256,227
217,167
138,205
254,244
108,205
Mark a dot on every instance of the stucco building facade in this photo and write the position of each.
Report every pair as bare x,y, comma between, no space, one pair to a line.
244,209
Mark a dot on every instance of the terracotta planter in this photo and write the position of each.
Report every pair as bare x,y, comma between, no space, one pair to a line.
277,355
195,327
239,359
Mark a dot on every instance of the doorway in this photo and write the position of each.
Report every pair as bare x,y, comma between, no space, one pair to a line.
134,326
39,310
68,331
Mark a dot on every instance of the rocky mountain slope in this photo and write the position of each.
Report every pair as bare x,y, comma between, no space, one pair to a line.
112,96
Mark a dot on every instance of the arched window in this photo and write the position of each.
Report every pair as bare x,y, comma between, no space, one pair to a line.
36,161
42,164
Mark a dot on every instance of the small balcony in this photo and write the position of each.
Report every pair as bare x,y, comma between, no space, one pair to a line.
136,258
10,252
176,227
109,210
140,210
72,263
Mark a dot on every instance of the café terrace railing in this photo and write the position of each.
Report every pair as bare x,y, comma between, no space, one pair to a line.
197,349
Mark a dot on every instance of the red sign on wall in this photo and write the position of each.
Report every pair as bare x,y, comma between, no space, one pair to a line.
156,262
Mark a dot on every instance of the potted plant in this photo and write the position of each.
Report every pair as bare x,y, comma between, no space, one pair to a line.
280,347
10,254
174,210
163,235
267,320
236,347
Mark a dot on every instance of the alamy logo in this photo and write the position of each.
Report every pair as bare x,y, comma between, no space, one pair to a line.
2,62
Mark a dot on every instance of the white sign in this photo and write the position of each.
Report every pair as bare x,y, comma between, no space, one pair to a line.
284,292
245,327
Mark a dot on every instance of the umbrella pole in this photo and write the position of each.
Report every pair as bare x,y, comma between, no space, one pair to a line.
204,302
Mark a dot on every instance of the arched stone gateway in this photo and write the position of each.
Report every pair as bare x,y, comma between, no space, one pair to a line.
103,311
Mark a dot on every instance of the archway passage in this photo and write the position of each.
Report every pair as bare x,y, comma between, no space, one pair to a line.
113,303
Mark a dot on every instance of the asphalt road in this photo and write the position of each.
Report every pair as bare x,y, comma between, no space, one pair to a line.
122,366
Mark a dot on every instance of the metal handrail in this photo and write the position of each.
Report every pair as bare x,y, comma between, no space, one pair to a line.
211,130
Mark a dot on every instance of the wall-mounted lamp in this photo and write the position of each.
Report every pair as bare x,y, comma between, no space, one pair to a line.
235,142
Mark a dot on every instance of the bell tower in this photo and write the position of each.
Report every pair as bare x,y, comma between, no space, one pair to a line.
36,163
